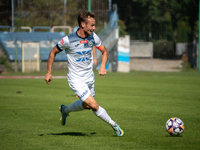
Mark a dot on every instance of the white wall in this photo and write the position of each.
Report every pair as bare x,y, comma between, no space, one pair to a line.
124,54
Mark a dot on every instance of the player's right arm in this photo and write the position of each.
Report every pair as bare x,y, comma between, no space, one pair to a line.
52,55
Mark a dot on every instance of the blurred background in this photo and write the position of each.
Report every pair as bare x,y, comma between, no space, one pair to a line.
156,32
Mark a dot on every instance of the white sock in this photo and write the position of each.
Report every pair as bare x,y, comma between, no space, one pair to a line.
101,113
76,106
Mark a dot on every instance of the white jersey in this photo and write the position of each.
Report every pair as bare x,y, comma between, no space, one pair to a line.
79,55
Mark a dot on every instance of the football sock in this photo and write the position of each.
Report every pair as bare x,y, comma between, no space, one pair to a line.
76,106
101,113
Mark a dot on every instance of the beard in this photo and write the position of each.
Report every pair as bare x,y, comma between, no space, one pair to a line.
88,33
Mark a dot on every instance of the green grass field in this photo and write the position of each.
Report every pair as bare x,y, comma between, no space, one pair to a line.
140,102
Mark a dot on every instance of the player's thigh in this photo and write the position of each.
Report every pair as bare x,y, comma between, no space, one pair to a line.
91,88
81,90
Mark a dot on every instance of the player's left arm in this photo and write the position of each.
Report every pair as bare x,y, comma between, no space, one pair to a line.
102,70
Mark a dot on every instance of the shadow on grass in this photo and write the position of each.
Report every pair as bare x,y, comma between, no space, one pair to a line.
70,134
175,136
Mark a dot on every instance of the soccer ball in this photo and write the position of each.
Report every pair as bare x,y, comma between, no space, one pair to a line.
175,126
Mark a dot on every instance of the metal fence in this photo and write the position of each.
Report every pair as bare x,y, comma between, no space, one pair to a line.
167,24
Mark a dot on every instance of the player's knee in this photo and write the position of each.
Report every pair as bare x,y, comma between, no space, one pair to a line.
95,107
86,106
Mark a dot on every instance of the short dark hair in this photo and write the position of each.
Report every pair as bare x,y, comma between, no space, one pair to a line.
83,16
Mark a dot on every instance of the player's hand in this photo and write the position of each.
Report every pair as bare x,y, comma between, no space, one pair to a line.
102,71
48,78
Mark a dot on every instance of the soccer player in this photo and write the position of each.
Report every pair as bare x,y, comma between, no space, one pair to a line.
78,47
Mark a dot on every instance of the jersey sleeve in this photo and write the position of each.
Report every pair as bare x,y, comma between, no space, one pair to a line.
63,43
98,43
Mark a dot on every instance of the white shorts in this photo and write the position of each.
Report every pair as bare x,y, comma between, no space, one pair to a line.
83,89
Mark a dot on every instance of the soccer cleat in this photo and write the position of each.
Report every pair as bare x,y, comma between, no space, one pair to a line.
118,130
63,115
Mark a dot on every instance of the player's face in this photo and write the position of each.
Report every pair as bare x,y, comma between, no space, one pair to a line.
89,26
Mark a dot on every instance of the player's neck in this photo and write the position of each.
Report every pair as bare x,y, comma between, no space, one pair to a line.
81,33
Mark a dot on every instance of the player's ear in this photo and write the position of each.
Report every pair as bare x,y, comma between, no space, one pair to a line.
82,24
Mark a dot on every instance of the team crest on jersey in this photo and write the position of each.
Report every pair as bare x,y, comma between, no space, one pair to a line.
90,43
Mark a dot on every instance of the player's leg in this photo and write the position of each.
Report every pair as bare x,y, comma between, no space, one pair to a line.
82,90
78,89
86,94
101,113
76,106
65,110
98,110
63,115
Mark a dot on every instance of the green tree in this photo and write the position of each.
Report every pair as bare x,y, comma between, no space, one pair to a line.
181,10
46,13
122,28
161,17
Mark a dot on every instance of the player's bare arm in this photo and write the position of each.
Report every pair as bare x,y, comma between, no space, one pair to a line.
102,70
52,55
94,55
